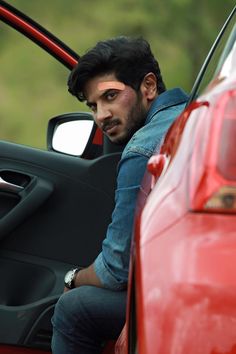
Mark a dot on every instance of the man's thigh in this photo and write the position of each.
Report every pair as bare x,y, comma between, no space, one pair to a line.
93,311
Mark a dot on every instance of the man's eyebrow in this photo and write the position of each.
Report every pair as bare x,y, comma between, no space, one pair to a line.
111,85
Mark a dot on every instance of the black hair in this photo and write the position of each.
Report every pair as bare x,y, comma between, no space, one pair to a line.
130,59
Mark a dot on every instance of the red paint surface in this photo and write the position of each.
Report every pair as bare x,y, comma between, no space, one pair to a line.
28,28
185,254
7,349
98,137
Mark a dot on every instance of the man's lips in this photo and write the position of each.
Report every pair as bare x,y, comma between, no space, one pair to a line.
110,127
111,130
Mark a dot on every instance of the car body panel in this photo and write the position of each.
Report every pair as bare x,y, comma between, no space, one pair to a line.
184,252
4,349
38,34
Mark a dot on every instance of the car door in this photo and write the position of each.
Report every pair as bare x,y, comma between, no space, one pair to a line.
54,211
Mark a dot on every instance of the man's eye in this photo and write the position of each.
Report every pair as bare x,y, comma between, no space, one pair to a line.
93,108
111,95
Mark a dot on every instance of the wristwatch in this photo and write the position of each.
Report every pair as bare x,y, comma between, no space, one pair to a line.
70,277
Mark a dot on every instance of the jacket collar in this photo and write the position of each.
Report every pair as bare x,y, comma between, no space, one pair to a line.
166,99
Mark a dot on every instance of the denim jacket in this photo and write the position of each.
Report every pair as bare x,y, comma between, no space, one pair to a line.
112,264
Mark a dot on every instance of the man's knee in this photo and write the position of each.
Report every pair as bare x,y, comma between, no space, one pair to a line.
88,309
69,310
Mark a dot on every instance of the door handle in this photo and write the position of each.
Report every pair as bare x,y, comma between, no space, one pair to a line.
9,187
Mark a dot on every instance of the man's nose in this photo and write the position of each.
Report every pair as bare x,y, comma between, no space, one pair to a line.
102,113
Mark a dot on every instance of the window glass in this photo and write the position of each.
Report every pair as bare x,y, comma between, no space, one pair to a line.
220,55
227,58
33,89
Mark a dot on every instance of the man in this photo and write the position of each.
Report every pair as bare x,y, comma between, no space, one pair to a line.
121,82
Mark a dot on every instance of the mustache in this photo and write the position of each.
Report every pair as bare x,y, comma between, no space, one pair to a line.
110,124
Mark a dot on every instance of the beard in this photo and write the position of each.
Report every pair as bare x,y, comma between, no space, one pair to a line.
135,120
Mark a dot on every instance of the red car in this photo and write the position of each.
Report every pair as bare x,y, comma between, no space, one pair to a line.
181,287
184,254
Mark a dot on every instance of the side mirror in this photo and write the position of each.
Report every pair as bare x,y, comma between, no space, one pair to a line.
73,134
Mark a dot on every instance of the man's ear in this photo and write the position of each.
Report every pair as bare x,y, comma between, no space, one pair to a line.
149,87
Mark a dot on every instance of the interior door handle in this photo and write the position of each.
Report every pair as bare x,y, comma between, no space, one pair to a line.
9,187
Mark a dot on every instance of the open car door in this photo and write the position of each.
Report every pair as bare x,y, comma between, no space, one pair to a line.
54,211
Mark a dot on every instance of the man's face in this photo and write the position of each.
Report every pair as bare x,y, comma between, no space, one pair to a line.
117,108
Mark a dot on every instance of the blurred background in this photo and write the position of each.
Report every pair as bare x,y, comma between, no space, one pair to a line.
33,85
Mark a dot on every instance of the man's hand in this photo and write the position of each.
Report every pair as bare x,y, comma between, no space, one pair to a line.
87,276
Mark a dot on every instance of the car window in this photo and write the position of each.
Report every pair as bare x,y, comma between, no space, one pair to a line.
30,94
227,56
220,54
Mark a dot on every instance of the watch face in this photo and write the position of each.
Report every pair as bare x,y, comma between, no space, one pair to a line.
69,277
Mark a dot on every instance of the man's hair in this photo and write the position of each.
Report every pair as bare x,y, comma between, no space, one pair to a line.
130,59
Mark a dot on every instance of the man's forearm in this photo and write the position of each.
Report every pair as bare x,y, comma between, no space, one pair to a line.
87,276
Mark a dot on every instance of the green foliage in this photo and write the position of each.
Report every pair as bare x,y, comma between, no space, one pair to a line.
33,86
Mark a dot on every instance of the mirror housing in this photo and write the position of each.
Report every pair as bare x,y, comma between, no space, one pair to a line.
74,134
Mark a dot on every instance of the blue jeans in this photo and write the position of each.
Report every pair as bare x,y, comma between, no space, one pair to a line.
85,317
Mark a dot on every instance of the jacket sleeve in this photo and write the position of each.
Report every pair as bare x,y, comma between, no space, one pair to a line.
112,264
